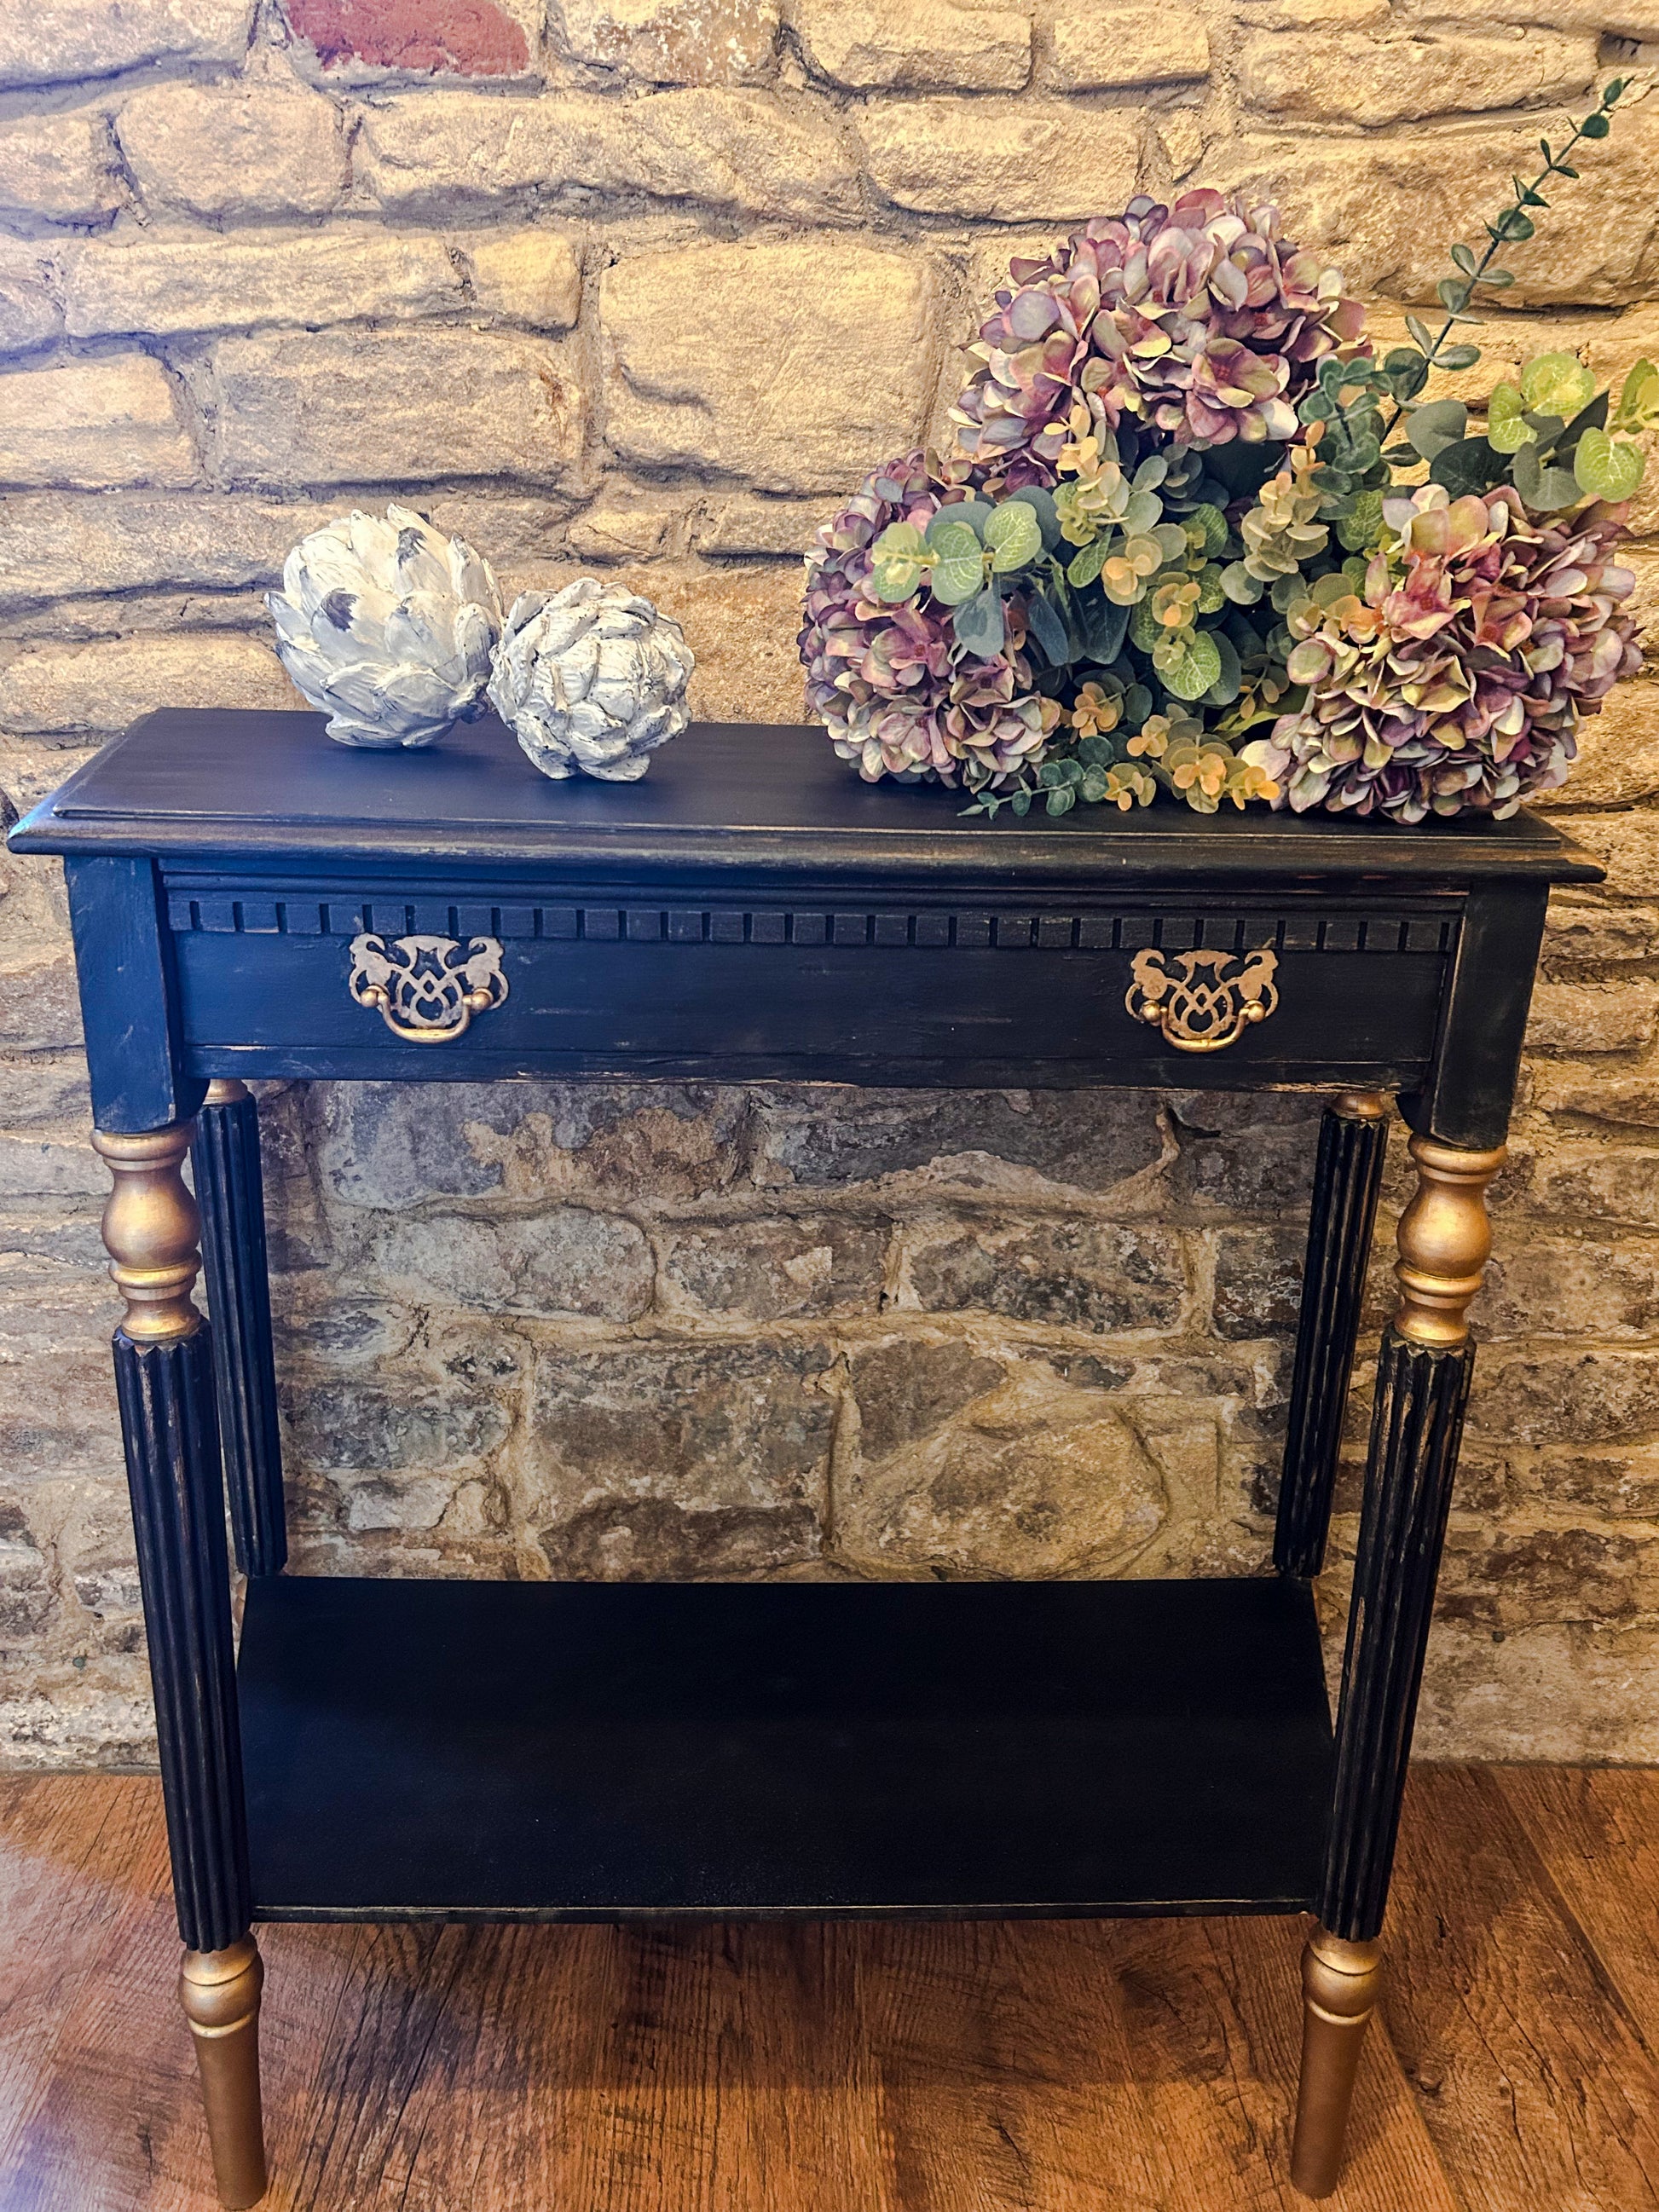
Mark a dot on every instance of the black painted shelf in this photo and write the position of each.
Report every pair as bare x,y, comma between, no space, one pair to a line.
581,1751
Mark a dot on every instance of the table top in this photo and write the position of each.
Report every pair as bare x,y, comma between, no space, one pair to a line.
724,799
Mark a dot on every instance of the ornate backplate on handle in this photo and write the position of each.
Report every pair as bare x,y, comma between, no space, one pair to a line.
427,988
1204,1000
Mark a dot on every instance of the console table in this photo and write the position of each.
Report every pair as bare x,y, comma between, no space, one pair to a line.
249,899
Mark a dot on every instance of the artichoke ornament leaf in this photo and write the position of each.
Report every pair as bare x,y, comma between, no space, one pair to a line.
591,679
387,626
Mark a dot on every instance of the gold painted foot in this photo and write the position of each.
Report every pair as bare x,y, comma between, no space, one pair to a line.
1340,1983
220,1993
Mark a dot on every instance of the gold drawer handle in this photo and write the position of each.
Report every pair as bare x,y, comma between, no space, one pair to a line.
427,988
1200,1009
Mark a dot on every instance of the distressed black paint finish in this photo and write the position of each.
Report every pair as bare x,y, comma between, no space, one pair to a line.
1416,1426
229,1190
1347,1176
167,1421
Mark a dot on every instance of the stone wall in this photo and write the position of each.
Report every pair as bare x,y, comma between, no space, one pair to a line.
646,284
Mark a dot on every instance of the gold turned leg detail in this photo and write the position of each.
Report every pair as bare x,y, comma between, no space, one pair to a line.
1444,1238
220,1993
152,1231
1361,1105
1340,1983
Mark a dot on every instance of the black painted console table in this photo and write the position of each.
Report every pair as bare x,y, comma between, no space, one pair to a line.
249,899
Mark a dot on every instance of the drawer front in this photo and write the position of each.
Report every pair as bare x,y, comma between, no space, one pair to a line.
297,981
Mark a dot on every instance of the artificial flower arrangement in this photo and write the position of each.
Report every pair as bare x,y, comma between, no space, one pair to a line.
1174,550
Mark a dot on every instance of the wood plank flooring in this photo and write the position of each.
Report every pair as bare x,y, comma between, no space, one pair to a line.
1034,2067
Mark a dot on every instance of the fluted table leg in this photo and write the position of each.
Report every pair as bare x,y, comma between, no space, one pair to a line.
229,1188
1422,1387
1353,1137
164,1382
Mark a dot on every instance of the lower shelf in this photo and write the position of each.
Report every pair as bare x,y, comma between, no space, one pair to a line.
581,1751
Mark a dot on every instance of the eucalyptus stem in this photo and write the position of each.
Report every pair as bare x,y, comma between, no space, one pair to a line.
1513,227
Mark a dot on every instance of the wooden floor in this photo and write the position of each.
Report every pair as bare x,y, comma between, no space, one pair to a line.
1039,2068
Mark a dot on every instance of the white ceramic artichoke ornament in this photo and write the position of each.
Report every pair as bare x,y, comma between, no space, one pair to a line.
388,626
591,677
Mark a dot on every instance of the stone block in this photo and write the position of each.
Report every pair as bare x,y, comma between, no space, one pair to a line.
1570,1283
58,41
692,42
1618,762
59,543
710,1459
48,1167
391,406
393,1145
1523,1578
931,1143
90,424
751,522
827,380
1593,934
1384,209
1095,49
744,151
1603,1183
965,1464
341,1427
380,41
1581,1017
1343,77
1246,1151
230,150
59,690
916,46
1626,19
58,166
1036,160
628,522
58,1413
776,1267
532,275
1626,1101
1069,1273
29,313
563,1262
1627,845
1258,1280
167,286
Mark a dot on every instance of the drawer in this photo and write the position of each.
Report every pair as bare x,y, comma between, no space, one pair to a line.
282,978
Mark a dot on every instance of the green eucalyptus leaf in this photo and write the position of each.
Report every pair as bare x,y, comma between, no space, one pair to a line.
1544,489
1190,664
1362,526
1607,468
1061,801
1231,682
1420,331
1142,512
1151,473
1014,537
1557,384
950,539
1087,565
1463,257
1459,357
900,541
978,624
958,577
1241,586
1469,466
1145,628
893,581
1212,522
1440,424
1594,126
1042,504
1105,625
975,512
1170,540
1047,628
1507,427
